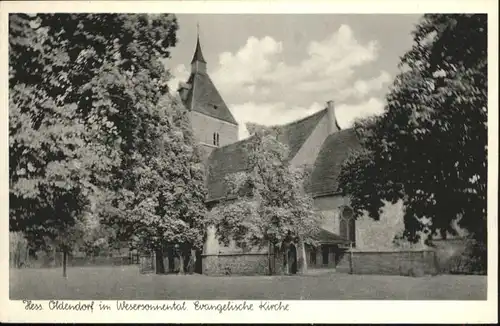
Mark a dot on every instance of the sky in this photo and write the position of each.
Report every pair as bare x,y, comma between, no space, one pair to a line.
273,69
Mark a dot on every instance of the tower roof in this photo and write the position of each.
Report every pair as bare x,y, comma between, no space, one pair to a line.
198,55
203,97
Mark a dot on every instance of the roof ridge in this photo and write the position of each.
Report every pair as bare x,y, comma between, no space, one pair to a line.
229,146
301,119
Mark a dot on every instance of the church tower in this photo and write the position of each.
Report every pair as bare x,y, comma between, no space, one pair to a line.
213,124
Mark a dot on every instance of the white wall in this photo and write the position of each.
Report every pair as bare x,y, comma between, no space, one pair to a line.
204,127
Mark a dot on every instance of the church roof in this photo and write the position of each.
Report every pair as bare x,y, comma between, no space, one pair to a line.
326,169
203,97
233,158
296,133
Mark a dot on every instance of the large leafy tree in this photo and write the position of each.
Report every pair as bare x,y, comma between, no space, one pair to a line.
429,148
165,206
267,203
83,93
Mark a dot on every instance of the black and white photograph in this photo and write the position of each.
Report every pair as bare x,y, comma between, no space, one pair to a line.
247,158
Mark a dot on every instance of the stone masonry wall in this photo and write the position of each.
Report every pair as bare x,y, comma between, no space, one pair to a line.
449,252
236,264
370,234
407,263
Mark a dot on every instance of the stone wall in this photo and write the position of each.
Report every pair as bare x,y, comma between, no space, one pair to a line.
370,234
449,253
236,264
212,246
379,235
407,263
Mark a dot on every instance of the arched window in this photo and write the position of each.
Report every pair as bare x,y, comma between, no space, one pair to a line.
347,224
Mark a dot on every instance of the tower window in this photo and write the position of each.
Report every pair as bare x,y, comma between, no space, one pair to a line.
216,139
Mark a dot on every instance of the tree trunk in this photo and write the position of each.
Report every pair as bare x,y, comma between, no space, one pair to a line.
171,260
192,261
65,258
160,267
286,261
55,257
27,255
269,258
181,263
302,261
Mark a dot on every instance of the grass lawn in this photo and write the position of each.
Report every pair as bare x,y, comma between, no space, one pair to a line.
108,283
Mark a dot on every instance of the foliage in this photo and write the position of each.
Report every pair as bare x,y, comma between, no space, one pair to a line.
267,203
83,95
253,128
429,148
165,202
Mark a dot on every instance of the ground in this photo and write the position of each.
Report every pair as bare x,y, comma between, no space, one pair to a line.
108,283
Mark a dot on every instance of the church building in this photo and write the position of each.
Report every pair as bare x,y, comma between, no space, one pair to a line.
317,141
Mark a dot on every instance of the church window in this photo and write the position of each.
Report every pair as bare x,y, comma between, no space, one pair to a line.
347,224
216,139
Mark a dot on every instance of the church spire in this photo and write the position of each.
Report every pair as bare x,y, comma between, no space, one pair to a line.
198,55
198,64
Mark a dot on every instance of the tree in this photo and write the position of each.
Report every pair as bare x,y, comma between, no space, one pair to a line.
267,204
429,147
165,205
82,89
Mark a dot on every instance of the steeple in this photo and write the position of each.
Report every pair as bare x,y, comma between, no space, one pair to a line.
198,64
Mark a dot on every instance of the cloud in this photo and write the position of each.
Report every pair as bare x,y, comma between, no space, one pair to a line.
347,114
339,53
364,87
179,74
328,67
248,65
